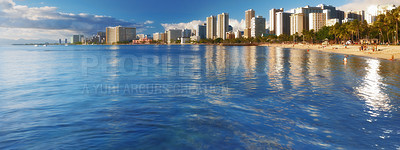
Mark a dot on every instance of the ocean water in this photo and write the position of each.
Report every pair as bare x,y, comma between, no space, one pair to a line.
195,97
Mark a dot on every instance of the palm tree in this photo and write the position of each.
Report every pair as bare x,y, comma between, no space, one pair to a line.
380,24
396,16
335,31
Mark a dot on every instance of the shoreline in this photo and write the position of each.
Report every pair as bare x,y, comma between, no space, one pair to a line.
384,52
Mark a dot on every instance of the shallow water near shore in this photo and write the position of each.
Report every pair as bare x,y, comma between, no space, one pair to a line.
195,97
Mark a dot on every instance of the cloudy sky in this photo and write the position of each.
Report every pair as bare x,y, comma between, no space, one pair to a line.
50,20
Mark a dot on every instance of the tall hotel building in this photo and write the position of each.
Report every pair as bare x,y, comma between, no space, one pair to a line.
120,34
222,25
257,26
272,19
317,21
249,15
211,28
282,25
297,23
202,31
173,35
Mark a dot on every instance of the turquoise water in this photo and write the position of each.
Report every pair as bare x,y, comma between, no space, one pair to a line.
195,97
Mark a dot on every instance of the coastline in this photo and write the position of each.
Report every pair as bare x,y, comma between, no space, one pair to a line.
384,52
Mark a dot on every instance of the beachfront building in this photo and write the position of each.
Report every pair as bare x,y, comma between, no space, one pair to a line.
77,38
352,15
230,35
257,26
186,33
272,19
238,34
370,18
120,34
211,27
173,35
247,33
282,23
374,11
157,36
195,38
306,11
201,31
249,15
332,22
317,21
332,13
297,23
222,25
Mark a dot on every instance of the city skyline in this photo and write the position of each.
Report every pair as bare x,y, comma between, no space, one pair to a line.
47,19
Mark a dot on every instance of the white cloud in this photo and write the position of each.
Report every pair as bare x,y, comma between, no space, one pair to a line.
39,19
148,22
189,25
236,24
364,4
36,34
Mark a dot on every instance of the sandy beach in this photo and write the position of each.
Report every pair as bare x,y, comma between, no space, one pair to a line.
384,51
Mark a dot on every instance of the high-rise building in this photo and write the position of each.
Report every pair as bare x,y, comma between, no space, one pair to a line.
202,31
247,33
66,41
317,21
163,37
211,27
186,33
297,23
59,41
257,26
249,15
222,25
120,34
173,35
238,34
282,25
156,36
101,37
352,15
333,13
272,20
332,22
76,38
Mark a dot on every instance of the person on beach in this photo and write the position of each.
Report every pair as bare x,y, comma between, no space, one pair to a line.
345,59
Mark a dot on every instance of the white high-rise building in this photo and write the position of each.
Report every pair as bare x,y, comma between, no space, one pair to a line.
376,10
173,35
297,23
282,23
257,26
272,20
156,36
317,21
249,15
211,27
222,25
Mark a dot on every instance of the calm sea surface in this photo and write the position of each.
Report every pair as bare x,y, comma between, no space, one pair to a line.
195,97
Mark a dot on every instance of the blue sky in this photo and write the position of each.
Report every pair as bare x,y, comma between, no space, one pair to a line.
29,19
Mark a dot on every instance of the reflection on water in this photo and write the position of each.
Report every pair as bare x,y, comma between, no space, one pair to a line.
255,98
371,89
